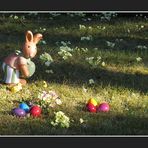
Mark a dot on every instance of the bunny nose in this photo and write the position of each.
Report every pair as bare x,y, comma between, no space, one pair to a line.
31,55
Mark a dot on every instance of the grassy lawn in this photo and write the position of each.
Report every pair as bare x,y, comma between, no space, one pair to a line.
110,51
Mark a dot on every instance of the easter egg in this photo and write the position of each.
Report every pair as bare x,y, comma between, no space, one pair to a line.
18,112
93,101
103,107
31,67
24,106
90,107
35,111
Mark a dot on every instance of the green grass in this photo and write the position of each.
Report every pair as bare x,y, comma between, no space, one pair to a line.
122,82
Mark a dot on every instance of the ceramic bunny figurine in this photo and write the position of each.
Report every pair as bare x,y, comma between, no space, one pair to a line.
17,66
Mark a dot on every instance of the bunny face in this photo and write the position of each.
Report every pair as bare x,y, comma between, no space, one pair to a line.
29,47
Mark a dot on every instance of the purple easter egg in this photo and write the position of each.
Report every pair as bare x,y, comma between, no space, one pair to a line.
19,112
103,107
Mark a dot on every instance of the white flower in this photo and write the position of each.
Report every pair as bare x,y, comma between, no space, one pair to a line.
81,121
90,60
15,17
96,48
110,44
46,57
61,119
89,19
63,43
49,71
82,27
88,38
141,47
84,89
91,81
142,26
65,52
139,59
104,28
84,49
83,19
58,101
47,63
103,64
128,30
90,28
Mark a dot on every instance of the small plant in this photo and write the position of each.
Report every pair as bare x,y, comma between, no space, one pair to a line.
87,38
65,51
77,49
55,14
61,120
46,59
107,16
48,99
138,59
95,61
82,27
142,47
110,44
91,81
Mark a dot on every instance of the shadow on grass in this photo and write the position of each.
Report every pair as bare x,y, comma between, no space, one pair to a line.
74,74
94,124
128,43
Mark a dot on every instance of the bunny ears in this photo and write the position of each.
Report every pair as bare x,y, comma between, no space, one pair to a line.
33,38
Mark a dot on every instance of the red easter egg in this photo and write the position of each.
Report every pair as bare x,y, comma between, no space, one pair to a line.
103,107
90,107
35,111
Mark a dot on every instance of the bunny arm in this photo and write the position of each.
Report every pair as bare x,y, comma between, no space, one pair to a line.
22,64
12,61
18,62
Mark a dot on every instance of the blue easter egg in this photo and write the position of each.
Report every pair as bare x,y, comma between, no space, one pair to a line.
25,107
18,112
